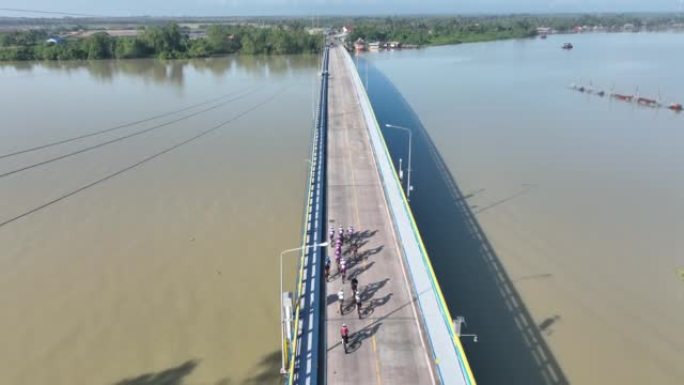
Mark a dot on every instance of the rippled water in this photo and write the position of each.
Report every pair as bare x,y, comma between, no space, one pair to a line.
574,274
167,269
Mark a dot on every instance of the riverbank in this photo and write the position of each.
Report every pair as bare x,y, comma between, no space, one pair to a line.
432,31
169,41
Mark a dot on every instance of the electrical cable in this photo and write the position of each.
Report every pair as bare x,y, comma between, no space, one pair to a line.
67,155
125,125
143,161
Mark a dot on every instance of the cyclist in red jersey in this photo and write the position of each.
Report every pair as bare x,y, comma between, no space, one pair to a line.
344,333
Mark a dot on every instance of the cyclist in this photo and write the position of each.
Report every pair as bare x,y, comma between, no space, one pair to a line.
340,297
327,268
355,251
344,333
338,256
343,268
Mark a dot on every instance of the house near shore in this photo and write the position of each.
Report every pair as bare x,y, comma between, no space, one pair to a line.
544,31
629,27
375,46
360,45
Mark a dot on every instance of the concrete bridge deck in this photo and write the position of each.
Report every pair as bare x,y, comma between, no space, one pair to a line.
387,346
404,334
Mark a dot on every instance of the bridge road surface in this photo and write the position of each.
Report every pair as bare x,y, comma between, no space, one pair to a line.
387,344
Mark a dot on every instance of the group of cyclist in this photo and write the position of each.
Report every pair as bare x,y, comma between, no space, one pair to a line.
350,238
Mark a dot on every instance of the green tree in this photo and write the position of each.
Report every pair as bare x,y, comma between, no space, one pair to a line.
99,46
127,48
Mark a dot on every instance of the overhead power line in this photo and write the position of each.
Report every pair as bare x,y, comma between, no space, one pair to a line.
115,140
143,161
115,128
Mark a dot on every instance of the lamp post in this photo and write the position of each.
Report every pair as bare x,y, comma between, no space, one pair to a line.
458,322
282,318
409,187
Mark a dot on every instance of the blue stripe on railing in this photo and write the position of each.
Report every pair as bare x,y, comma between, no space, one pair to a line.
305,351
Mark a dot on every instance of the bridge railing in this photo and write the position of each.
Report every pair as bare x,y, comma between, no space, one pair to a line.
308,296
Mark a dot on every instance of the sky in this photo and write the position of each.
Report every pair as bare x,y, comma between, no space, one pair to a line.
323,7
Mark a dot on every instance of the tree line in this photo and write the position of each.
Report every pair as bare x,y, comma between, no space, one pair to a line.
434,30
288,36
169,41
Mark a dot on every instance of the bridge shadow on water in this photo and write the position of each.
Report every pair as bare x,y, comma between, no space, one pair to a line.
266,371
510,348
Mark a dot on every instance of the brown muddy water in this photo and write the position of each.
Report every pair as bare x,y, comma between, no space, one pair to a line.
169,268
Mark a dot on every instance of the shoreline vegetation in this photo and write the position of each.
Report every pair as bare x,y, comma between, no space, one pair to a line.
129,38
169,41
433,31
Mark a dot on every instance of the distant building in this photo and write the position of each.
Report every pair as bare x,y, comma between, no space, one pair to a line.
543,31
375,46
347,29
394,44
359,45
54,40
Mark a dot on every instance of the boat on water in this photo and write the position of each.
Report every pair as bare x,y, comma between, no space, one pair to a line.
567,46
675,107
647,102
588,89
636,98
626,98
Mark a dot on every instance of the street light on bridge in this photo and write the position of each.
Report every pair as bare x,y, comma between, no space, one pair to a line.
458,326
409,187
282,294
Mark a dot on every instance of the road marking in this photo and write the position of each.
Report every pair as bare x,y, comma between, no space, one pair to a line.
378,377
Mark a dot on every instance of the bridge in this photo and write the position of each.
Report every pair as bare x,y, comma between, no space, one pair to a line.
404,332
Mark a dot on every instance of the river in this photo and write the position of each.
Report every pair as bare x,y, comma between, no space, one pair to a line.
166,272
553,218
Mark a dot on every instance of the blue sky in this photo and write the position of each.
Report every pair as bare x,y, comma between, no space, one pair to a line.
308,7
